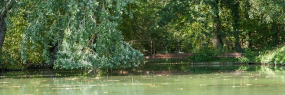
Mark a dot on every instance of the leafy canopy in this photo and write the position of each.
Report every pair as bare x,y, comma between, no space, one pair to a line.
80,34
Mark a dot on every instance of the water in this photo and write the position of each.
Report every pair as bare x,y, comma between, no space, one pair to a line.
258,81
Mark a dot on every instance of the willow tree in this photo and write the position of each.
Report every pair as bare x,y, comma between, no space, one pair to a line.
5,7
78,34
3,15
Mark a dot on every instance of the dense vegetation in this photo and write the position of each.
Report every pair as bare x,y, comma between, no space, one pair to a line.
65,33
100,34
210,27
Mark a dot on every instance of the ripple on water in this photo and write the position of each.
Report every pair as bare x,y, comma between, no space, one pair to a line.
238,86
165,83
66,88
5,82
14,86
227,76
71,78
113,80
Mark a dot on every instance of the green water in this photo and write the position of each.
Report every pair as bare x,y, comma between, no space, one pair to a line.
264,81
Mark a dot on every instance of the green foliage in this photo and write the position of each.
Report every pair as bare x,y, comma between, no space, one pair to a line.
12,58
243,68
143,32
195,39
249,56
257,24
106,48
81,34
89,34
110,52
207,55
275,56
10,54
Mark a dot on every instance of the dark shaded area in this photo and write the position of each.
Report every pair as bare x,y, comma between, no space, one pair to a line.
143,69
41,73
3,29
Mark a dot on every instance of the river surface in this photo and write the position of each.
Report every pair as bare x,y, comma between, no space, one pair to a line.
256,80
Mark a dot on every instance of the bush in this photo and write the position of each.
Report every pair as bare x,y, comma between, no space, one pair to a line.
207,55
276,56
249,56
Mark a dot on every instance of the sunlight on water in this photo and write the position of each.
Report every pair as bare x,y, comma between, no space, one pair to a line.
263,82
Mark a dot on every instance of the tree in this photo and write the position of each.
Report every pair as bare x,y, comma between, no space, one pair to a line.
182,13
270,13
5,6
143,31
78,34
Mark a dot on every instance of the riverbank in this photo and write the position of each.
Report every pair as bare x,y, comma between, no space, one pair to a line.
274,56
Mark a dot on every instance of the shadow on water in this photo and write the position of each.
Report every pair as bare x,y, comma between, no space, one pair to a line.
41,73
144,69
184,68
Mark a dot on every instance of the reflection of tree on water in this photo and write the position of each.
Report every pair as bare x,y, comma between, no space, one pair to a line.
75,86
183,68
273,70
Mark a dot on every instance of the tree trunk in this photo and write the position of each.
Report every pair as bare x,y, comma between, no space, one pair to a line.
217,39
274,30
2,30
53,50
249,40
246,16
236,18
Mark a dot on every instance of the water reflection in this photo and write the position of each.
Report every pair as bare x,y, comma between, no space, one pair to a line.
164,80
